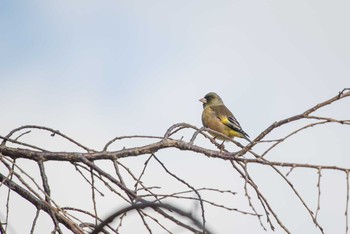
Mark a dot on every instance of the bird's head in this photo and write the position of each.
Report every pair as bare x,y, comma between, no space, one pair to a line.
211,99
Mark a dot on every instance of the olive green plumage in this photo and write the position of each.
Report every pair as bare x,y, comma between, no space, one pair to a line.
218,117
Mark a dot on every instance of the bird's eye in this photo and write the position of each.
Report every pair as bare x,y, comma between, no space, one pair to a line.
209,98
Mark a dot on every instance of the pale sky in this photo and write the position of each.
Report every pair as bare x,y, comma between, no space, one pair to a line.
95,70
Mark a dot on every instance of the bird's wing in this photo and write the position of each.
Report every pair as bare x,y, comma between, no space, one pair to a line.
227,118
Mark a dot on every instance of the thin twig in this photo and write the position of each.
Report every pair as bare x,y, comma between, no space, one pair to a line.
189,186
319,192
11,172
34,221
347,203
300,198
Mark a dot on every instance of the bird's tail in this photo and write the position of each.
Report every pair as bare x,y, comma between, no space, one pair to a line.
245,136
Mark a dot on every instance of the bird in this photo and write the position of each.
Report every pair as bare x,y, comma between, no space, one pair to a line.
218,117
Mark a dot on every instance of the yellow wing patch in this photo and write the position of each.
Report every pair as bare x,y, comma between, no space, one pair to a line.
224,120
229,131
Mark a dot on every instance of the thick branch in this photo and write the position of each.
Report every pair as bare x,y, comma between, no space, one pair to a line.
147,149
39,204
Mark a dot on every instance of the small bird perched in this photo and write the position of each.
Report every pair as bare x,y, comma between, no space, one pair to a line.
217,117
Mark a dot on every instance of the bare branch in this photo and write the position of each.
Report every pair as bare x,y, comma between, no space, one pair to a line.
144,205
130,187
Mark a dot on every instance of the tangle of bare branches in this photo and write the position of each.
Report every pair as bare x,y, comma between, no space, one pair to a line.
129,187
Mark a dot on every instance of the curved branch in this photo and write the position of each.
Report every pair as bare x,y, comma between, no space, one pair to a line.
144,205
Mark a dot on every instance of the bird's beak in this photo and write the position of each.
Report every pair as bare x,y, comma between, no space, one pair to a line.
203,100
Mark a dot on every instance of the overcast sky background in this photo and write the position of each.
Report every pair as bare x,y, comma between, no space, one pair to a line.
95,70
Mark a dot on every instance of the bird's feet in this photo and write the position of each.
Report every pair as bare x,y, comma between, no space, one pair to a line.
222,147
